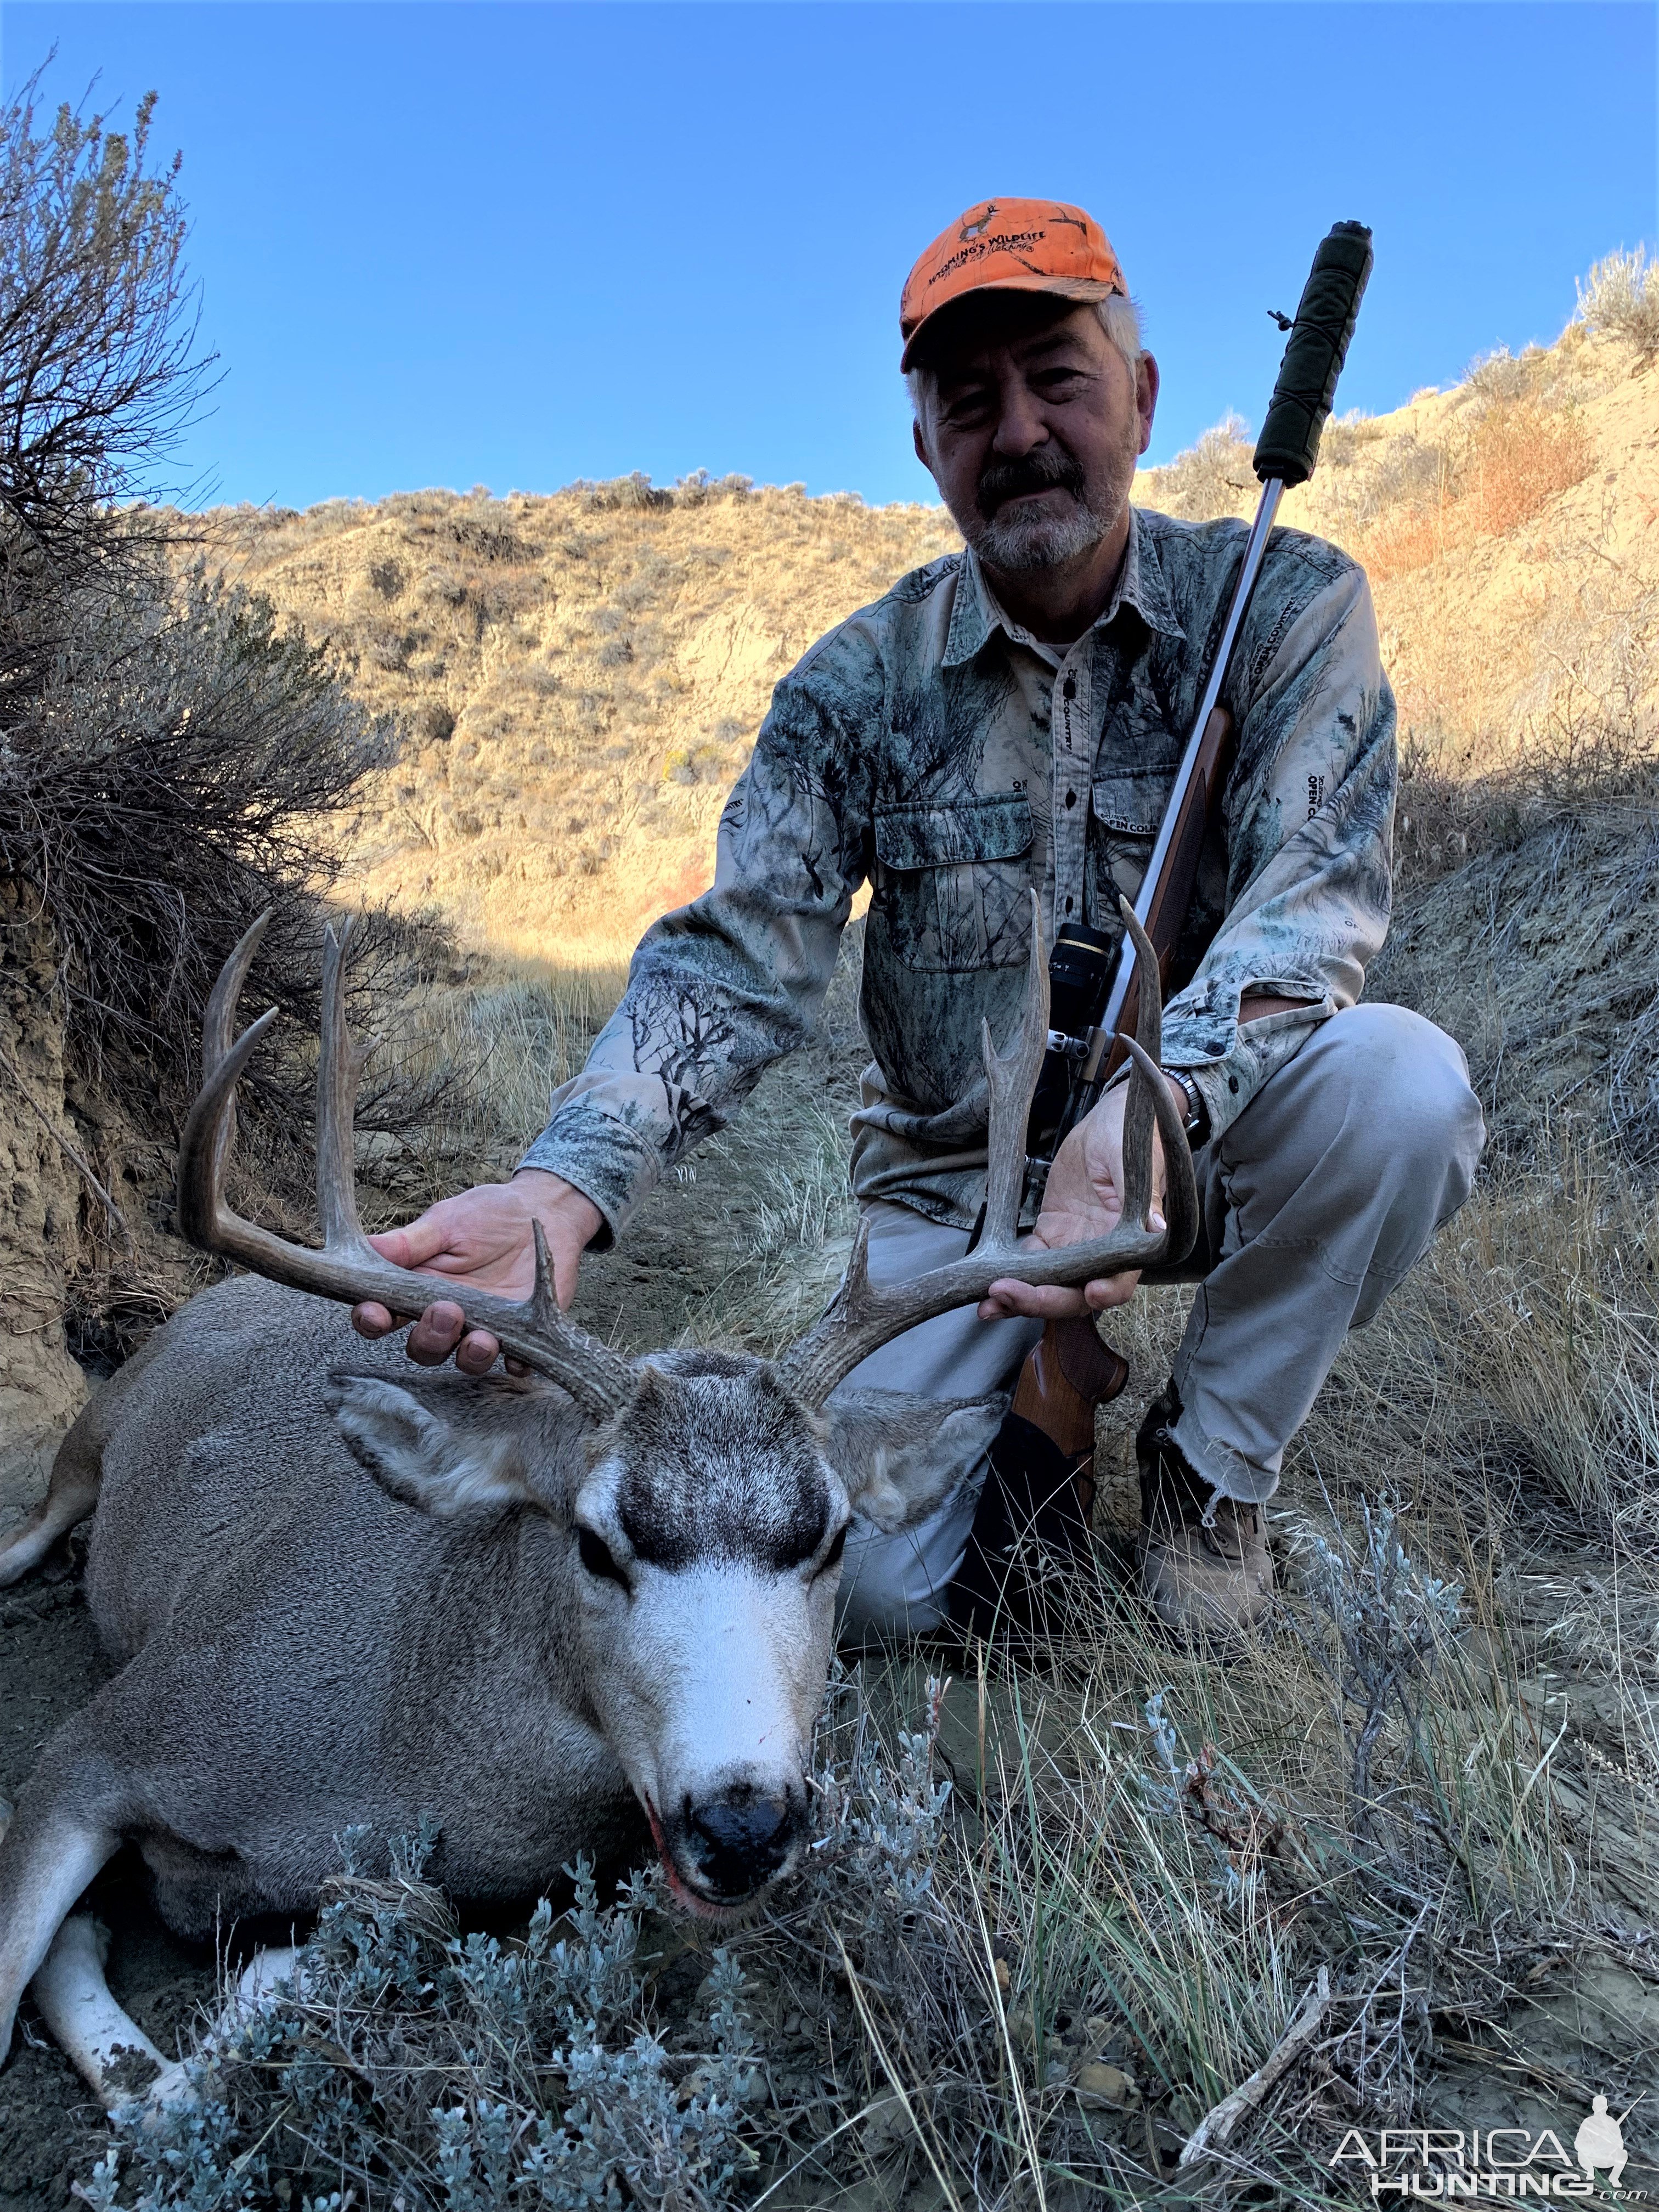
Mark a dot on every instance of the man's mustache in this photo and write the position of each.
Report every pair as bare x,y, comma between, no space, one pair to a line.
1046,469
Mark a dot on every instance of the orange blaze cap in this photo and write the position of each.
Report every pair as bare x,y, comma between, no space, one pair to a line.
1009,245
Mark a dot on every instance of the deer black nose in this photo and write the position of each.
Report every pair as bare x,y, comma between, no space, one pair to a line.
741,1842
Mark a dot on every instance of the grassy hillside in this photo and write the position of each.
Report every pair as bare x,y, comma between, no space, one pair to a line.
581,675
1509,528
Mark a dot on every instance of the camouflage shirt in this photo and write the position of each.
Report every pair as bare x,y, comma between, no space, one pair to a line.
931,747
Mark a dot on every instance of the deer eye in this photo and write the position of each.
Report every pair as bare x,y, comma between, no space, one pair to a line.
596,1556
832,1557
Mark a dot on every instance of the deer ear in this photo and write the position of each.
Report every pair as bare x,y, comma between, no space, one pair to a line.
899,1456
431,1459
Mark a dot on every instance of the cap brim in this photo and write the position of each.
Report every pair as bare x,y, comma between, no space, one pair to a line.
1061,288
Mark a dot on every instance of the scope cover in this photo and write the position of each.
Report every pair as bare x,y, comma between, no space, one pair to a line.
1313,354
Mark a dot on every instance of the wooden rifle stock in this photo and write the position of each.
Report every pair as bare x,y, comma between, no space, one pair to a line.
1071,1371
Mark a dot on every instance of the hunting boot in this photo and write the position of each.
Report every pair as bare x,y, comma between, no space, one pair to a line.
1027,1522
1205,1567
1039,1495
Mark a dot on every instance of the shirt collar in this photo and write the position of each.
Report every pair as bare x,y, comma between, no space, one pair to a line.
1141,585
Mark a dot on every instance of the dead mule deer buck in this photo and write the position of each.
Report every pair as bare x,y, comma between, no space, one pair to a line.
543,1613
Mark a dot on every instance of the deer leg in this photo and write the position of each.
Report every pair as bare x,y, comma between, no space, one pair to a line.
47,1860
70,1496
111,2053
107,2049
76,1473
258,1983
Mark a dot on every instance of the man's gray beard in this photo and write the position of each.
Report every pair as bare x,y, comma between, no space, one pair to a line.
1021,544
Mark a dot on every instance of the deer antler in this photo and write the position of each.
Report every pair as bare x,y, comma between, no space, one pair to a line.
864,1315
348,1267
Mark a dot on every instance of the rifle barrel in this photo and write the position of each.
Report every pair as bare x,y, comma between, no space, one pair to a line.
1256,545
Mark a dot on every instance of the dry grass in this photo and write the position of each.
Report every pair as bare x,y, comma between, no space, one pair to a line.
487,1052
1540,1309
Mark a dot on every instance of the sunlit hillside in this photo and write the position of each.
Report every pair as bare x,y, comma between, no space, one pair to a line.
1510,526
580,675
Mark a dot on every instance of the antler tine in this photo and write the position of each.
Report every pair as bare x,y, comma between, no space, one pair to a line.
219,1028
544,1309
862,1316
852,1325
1146,1049
534,1331
1180,1182
204,1144
339,1066
1012,1079
219,1021
1149,1018
1139,1120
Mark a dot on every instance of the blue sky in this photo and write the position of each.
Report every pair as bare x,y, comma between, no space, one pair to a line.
514,244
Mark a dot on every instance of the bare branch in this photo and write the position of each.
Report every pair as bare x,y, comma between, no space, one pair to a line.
99,372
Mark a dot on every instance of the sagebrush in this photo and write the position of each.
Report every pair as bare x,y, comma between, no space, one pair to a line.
173,760
1620,296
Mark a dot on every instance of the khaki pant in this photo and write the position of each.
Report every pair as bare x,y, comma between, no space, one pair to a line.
1319,1197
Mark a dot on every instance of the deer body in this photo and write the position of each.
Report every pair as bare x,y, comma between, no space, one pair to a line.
363,1663
541,1615
347,1593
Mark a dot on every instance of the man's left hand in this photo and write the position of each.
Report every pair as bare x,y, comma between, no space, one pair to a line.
1084,1196
1084,1200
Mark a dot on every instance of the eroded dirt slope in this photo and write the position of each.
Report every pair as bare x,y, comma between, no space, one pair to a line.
1510,526
41,1387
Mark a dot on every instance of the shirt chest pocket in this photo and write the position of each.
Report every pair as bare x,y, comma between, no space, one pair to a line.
951,881
1125,812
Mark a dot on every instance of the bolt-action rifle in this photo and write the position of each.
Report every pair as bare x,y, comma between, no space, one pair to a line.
1094,1000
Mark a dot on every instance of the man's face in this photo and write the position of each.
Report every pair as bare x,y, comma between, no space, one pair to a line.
1030,425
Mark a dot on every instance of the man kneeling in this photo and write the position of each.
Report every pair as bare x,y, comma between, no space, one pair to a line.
1006,720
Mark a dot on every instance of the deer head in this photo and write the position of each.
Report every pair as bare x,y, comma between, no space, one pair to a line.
702,1532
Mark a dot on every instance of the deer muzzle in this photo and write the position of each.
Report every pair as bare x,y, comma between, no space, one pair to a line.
722,1852
736,1845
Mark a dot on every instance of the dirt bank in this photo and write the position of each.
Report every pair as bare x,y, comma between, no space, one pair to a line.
40,1386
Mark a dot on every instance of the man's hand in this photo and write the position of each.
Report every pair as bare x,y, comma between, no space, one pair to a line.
487,1236
1084,1200
1084,1196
